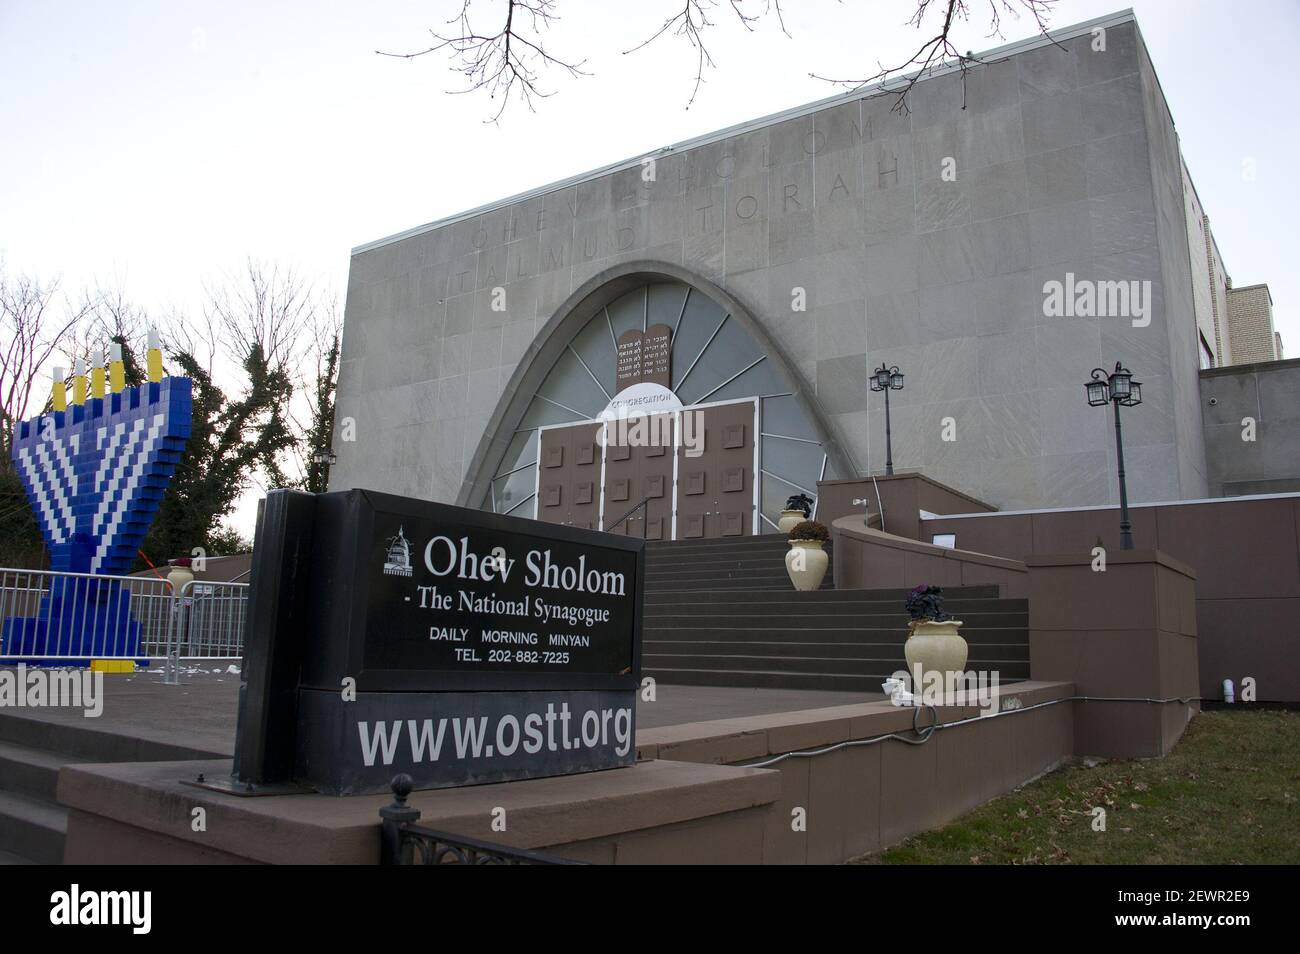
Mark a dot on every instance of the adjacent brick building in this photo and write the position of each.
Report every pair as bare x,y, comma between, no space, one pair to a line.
1250,325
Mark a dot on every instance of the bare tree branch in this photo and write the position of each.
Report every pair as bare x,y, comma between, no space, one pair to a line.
29,336
939,49
314,380
693,19
511,59
506,62
266,308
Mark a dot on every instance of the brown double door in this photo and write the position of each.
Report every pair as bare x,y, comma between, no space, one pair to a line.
696,466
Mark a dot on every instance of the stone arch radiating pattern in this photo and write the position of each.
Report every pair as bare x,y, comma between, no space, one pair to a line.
720,352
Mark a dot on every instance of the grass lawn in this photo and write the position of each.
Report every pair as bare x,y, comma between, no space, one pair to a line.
1229,793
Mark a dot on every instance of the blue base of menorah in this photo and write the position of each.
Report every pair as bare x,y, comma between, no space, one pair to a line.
80,619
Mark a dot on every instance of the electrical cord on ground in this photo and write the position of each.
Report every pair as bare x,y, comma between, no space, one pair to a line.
923,736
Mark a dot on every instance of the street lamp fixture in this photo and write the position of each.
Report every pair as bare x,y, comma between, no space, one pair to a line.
887,379
326,456
1117,387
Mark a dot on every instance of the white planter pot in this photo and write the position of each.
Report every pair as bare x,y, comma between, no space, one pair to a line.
789,520
935,647
178,576
806,563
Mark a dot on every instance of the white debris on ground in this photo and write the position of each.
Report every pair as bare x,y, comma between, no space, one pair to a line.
159,668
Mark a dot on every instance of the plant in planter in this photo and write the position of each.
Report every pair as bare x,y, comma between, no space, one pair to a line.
926,602
180,573
807,561
933,643
797,509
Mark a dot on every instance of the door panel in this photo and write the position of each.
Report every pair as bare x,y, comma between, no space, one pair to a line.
568,480
715,472
639,464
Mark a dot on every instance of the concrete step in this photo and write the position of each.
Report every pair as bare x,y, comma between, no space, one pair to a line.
82,741
31,772
739,582
723,561
819,619
837,665
767,541
976,652
770,540
692,548
834,682
814,614
793,636
32,829
774,571
769,680
732,594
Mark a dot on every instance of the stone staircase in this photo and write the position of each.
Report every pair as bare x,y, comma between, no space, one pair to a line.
724,613
33,824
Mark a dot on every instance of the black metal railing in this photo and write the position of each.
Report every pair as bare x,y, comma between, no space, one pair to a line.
645,517
403,842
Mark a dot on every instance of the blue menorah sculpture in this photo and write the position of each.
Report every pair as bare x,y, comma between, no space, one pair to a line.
95,474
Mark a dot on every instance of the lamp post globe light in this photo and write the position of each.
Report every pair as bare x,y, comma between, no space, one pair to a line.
1117,387
887,379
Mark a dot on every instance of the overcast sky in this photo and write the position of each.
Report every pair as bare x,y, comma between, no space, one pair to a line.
156,144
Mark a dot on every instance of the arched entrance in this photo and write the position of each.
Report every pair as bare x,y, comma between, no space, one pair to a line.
649,387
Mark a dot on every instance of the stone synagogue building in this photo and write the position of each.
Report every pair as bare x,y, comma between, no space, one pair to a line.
997,239
916,318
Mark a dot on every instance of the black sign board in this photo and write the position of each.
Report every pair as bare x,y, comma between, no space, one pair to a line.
455,645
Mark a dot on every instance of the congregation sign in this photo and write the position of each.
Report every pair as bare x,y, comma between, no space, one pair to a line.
453,645
454,599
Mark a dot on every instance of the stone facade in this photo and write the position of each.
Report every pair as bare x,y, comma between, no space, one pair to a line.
1210,281
1067,169
1219,285
1252,428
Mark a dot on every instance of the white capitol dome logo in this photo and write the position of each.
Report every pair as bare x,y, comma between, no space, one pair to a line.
399,555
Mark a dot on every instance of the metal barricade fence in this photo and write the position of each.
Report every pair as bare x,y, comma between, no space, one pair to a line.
53,612
210,620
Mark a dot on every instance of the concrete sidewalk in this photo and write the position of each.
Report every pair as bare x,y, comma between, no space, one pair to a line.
200,713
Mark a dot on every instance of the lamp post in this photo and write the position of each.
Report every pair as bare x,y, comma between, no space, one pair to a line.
1117,387
324,458
887,379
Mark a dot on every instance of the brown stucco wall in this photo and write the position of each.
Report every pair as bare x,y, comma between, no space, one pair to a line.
901,496
1125,632
866,558
1245,552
